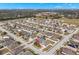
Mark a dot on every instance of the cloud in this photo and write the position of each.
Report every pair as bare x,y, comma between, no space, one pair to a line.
58,7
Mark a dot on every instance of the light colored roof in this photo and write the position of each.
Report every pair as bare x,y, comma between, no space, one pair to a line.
6,37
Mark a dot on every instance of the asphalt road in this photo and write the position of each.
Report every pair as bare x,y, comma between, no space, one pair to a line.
60,44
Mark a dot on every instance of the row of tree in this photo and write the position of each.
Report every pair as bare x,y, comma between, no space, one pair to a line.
68,13
21,13
18,13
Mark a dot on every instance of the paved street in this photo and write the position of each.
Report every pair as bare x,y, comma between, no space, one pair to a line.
60,44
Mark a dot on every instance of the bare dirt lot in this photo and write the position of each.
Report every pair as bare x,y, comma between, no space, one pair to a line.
70,21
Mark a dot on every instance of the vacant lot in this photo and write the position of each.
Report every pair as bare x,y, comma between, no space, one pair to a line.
70,21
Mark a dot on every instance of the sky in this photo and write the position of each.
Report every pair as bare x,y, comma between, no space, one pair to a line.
39,5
